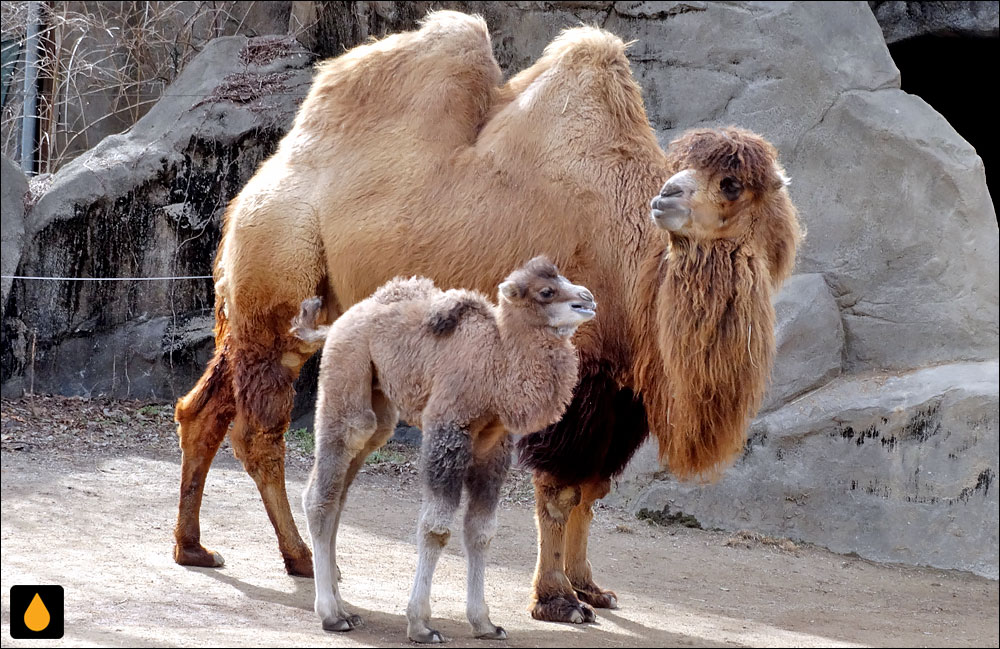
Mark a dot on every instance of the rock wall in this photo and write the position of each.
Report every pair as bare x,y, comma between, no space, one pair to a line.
13,188
881,418
147,203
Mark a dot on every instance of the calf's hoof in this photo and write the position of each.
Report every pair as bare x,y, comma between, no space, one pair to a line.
341,624
427,636
496,634
196,555
562,609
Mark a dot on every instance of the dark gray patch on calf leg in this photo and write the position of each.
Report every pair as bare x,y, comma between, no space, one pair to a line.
483,480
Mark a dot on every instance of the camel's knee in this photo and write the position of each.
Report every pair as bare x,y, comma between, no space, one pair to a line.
556,501
436,519
479,540
261,451
436,533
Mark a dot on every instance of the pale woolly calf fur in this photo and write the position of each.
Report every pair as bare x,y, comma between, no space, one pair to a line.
467,372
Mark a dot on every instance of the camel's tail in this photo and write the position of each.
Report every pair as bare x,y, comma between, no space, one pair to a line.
217,381
304,325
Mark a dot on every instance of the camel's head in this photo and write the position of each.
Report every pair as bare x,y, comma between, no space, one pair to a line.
723,177
537,293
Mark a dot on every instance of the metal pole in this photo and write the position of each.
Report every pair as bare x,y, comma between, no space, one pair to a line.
29,119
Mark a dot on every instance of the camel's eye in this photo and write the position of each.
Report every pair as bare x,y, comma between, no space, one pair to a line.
546,293
731,188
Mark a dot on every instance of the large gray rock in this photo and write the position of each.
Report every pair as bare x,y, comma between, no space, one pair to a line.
148,203
901,20
809,339
894,467
916,263
13,187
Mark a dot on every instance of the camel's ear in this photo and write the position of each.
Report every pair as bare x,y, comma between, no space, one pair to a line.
510,290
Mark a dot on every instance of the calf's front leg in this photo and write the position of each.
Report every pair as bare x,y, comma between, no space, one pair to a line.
446,453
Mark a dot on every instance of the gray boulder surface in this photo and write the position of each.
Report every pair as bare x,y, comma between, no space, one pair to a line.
895,467
13,188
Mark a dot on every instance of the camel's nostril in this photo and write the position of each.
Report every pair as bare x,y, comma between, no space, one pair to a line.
669,191
586,296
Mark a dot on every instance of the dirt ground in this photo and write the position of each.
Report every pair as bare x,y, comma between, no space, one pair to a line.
89,501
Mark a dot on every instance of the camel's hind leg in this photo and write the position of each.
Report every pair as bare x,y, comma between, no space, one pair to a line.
262,452
446,454
263,380
553,598
577,529
483,482
203,417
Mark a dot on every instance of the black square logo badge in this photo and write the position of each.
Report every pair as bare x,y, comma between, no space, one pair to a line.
36,612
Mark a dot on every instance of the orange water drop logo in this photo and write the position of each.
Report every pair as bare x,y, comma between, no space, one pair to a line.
37,616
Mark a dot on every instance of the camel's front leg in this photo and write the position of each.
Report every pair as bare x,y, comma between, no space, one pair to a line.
553,598
577,530
483,483
446,454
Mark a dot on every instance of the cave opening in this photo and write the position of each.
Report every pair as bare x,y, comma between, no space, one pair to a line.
953,74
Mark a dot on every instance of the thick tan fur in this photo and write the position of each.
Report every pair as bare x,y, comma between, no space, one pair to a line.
407,158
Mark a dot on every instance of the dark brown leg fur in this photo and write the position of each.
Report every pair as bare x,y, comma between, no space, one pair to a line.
263,455
577,530
203,417
553,598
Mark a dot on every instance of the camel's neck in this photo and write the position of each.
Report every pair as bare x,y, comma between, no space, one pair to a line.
710,326
538,370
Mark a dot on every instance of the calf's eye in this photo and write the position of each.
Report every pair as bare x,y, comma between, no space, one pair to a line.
546,293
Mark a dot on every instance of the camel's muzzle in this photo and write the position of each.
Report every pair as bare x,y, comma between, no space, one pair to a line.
671,209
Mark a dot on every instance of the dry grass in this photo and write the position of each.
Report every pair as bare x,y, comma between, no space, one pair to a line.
750,540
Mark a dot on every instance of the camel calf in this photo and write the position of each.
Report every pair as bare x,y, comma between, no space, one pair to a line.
465,370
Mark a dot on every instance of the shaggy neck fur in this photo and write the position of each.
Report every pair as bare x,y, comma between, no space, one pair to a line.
713,328
542,368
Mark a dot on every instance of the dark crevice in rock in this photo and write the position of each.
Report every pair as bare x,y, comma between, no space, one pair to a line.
949,73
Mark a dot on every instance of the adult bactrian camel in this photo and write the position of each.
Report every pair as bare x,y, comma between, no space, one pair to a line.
407,158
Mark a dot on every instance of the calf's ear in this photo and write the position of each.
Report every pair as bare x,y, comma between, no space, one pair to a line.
510,290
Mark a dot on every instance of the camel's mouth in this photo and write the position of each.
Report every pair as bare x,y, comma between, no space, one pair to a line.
586,309
670,212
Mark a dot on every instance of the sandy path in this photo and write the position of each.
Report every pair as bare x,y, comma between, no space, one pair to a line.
100,525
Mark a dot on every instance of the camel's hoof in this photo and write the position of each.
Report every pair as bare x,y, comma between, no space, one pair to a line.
598,598
197,556
299,566
563,609
497,634
427,636
342,624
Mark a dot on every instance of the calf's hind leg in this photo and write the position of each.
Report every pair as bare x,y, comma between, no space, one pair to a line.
446,455
337,455
483,482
